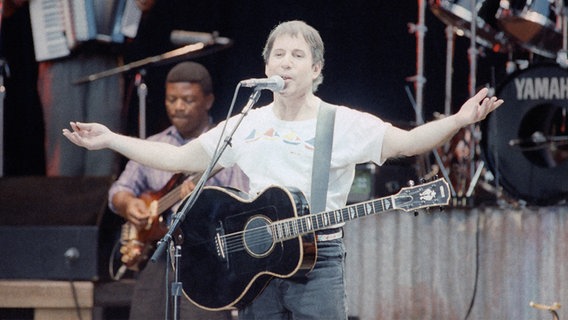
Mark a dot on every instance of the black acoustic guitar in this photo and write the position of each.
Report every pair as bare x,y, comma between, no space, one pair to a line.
232,247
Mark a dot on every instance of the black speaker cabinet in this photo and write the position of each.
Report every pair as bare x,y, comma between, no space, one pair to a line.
49,227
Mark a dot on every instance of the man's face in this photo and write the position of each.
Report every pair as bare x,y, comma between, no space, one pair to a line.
291,58
188,107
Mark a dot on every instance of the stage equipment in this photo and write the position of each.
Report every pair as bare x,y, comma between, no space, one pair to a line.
459,15
190,51
535,24
526,140
49,227
458,160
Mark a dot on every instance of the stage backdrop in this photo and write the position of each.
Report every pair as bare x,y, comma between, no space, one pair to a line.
486,263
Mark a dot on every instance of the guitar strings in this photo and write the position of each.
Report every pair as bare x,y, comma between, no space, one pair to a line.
259,235
254,236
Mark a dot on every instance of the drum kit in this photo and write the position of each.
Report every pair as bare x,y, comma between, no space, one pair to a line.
520,153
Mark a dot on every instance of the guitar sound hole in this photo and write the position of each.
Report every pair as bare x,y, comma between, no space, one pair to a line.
257,236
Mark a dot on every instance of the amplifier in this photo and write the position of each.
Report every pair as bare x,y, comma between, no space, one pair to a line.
49,252
52,227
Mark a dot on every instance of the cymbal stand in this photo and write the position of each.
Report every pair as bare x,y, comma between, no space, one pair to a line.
450,37
419,29
475,172
419,80
472,51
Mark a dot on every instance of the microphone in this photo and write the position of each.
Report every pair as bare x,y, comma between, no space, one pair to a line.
182,38
274,83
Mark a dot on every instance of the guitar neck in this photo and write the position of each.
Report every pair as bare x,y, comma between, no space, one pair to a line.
291,228
173,196
169,199
407,199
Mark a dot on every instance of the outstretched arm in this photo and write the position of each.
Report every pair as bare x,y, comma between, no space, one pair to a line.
190,157
398,142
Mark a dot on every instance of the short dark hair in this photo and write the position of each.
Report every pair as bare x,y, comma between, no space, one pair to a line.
190,71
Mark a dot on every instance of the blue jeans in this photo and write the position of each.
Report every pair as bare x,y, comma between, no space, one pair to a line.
318,295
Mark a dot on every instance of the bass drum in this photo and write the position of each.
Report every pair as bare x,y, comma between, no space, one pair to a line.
524,140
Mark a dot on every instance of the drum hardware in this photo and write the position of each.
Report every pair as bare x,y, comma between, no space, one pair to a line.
462,13
456,160
419,80
419,29
539,141
535,25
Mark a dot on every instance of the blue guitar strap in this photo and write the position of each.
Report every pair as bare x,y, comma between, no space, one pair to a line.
322,156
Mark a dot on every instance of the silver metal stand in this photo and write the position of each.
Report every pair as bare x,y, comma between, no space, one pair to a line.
475,172
450,38
419,80
176,285
420,29
142,91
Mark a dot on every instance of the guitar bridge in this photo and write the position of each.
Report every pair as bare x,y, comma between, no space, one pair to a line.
220,243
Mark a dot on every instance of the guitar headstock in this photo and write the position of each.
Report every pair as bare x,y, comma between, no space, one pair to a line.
429,194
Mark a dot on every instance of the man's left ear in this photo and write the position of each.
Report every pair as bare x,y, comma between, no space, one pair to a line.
316,68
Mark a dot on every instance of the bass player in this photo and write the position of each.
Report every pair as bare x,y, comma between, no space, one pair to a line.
188,99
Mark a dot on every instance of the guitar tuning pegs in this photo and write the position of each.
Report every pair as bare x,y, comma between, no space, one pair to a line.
422,180
416,213
441,209
410,183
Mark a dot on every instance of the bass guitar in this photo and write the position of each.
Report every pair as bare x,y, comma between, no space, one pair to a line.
232,247
136,245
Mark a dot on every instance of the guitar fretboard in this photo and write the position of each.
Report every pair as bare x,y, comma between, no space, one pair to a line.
291,228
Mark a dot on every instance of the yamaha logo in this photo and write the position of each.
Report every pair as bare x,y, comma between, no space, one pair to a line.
541,88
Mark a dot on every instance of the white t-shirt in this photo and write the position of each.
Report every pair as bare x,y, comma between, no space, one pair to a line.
276,152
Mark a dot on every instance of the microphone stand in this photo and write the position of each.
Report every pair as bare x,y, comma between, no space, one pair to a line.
142,91
192,198
176,286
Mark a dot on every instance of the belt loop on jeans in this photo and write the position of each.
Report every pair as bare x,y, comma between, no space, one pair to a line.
329,234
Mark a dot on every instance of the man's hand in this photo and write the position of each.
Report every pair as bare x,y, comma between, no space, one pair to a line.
137,213
477,108
93,136
186,188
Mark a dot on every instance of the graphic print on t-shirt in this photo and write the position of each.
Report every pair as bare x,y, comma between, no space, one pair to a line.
290,137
